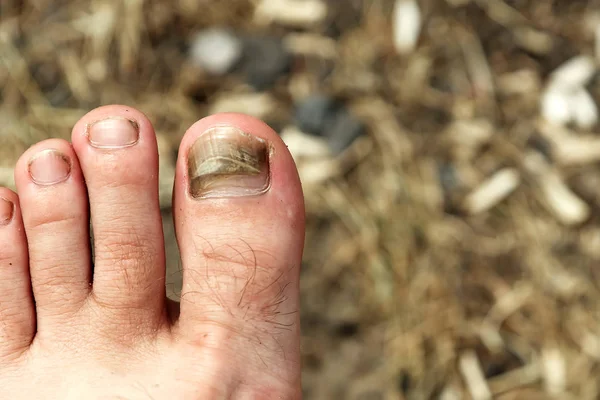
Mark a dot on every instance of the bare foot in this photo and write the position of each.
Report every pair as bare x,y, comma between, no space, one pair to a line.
77,327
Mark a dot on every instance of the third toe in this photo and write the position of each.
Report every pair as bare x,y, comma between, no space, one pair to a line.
55,216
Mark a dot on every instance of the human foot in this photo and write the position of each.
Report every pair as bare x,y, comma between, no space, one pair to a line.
70,331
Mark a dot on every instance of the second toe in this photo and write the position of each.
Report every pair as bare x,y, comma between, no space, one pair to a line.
117,148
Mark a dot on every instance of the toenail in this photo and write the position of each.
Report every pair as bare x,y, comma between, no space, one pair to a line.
113,133
7,209
226,162
49,167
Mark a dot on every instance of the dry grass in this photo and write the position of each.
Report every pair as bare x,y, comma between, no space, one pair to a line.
407,292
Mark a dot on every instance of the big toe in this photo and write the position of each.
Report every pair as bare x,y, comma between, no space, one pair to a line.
239,217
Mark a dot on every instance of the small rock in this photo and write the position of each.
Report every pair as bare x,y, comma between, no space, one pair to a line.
312,113
343,130
448,177
266,59
323,116
216,50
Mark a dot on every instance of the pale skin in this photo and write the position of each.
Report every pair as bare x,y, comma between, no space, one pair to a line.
70,331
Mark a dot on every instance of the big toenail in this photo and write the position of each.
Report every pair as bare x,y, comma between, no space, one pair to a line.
49,167
226,162
7,209
113,133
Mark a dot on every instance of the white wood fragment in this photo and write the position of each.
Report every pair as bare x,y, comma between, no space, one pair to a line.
301,144
554,371
472,132
560,200
299,13
577,150
509,303
314,171
407,22
583,109
555,106
574,74
521,82
310,44
567,207
492,191
569,148
474,377
533,40
258,105
450,393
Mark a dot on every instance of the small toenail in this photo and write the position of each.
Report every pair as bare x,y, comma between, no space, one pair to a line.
226,162
7,209
113,133
49,167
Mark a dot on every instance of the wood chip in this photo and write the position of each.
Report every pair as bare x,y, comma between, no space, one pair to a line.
291,12
554,371
492,191
406,22
575,73
566,206
258,105
474,377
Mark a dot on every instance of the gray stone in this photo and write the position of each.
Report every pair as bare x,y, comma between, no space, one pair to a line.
342,130
324,116
312,113
265,61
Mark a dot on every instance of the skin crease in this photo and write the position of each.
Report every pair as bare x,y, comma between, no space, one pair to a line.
110,333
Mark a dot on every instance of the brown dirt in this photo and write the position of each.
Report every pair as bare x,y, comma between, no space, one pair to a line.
405,294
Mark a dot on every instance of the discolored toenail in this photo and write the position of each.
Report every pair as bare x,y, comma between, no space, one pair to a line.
226,162
113,133
7,209
49,167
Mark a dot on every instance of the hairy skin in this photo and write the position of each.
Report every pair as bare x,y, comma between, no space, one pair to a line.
81,320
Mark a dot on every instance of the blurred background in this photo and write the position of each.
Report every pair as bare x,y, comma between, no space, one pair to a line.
448,151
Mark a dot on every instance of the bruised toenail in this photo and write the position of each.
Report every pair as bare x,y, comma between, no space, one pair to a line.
113,133
7,209
49,167
226,162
